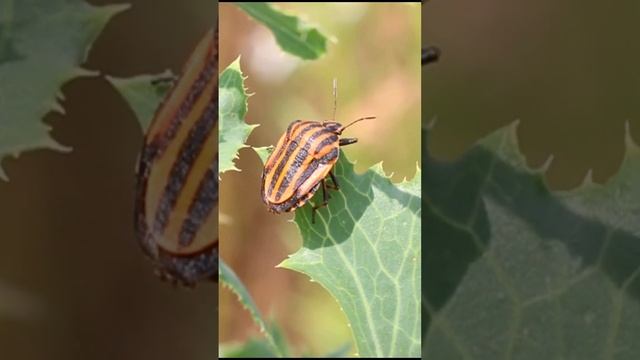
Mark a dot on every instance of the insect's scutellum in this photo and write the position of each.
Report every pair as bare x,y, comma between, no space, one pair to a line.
177,179
302,159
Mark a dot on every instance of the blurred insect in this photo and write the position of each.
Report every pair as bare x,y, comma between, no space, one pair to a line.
430,54
176,206
301,161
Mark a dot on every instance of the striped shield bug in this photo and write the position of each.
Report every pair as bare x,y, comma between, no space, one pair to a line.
301,161
176,205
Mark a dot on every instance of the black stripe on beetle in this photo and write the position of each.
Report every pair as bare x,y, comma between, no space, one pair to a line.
201,206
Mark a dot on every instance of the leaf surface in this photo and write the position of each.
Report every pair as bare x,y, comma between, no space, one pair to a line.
142,94
365,250
42,46
234,131
514,270
293,34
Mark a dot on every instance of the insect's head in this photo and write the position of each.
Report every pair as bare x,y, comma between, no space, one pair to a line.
332,126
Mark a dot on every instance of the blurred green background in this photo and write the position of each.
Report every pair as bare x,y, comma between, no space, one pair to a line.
375,59
73,281
568,70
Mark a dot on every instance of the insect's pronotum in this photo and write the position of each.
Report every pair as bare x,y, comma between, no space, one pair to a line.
301,161
176,206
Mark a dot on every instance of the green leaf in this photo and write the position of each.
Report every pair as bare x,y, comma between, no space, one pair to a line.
42,45
342,351
514,270
292,34
257,347
365,250
252,348
274,339
264,152
143,93
234,131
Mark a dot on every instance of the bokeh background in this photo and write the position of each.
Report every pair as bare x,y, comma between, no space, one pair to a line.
73,281
567,70
375,59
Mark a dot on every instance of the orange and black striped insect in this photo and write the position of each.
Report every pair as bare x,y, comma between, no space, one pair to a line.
300,163
176,206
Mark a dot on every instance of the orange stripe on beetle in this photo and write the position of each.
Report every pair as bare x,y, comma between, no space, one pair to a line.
176,212
300,163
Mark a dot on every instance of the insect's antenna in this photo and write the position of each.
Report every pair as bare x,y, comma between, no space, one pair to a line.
335,98
355,121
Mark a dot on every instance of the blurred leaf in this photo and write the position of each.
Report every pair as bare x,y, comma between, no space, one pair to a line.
234,131
256,347
292,34
253,348
278,335
143,93
364,249
42,44
273,336
340,352
263,152
516,271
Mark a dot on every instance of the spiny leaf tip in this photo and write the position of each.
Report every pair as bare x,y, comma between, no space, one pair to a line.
547,164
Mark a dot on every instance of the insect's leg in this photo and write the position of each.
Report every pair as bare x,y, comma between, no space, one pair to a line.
165,80
325,201
347,141
335,181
